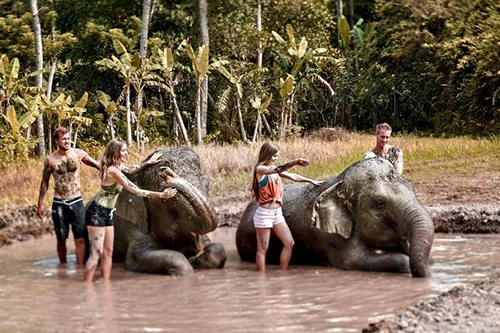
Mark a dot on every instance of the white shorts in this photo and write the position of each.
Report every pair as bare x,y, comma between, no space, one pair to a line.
267,218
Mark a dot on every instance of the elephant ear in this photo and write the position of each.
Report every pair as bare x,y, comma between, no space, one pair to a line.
331,211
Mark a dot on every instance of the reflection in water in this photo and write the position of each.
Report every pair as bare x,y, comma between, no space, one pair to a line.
39,295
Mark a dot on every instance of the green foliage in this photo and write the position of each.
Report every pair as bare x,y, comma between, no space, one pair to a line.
430,67
15,149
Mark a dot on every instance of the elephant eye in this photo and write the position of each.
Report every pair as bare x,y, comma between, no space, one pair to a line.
379,205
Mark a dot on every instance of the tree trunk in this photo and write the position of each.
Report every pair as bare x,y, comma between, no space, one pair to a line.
146,16
290,117
240,119
180,122
39,65
266,124
49,94
259,29
256,130
128,120
205,41
351,12
198,116
111,126
339,16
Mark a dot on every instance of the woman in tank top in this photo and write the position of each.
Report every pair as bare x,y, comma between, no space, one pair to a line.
268,191
99,215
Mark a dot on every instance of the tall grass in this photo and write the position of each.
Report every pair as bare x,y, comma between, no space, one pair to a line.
230,166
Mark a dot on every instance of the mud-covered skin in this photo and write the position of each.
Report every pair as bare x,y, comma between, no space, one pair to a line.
159,236
66,173
367,218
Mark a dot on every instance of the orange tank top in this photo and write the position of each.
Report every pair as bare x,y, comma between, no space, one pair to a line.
271,191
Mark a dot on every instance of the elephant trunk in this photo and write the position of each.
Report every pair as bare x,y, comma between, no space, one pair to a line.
202,211
421,237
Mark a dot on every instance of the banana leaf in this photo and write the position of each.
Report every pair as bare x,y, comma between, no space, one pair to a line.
345,32
203,60
83,101
286,87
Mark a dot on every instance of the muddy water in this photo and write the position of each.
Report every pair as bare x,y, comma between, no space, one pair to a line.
40,296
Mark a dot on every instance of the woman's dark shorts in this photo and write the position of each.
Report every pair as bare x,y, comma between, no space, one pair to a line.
98,216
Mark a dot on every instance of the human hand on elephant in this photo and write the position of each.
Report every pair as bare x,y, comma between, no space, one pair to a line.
155,159
302,162
168,193
315,182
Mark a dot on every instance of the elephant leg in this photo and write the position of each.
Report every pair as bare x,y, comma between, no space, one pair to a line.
355,255
159,262
213,256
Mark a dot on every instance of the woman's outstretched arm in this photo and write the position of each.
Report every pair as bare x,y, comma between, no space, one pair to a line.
133,169
299,178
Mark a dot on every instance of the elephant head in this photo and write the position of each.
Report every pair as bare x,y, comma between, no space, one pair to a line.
371,202
178,223
366,218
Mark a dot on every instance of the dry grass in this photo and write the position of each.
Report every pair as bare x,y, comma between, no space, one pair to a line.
230,166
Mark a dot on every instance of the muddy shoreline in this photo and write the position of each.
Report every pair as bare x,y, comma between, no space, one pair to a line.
18,224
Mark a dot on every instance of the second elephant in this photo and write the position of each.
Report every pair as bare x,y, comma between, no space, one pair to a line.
367,218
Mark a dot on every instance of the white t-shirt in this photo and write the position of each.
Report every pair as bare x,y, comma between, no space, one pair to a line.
394,155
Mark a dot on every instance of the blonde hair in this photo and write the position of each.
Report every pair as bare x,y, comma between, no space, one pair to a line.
383,126
111,155
267,151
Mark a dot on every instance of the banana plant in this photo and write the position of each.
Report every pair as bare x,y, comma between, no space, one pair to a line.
286,89
235,89
111,109
136,74
11,85
296,64
15,91
77,118
31,104
361,37
166,64
261,109
126,69
72,115
200,70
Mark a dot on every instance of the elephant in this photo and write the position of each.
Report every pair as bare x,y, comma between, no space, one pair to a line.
367,218
158,236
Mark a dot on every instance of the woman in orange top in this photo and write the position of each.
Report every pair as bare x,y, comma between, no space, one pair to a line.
268,191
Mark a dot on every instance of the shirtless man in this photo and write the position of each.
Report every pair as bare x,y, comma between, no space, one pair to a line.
383,149
67,207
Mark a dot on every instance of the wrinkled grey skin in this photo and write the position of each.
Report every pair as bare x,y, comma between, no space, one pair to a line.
168,236
367,218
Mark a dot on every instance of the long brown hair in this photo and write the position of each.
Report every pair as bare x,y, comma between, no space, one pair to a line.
267,151
111,155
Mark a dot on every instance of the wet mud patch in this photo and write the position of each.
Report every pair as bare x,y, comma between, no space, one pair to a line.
466,219
468,308
22,223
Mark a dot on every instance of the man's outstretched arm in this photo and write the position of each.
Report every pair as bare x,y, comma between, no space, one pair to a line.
86,159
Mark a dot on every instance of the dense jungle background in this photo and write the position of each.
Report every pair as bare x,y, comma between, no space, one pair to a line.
191,71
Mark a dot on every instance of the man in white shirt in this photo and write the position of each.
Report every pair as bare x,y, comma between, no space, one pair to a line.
383,149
